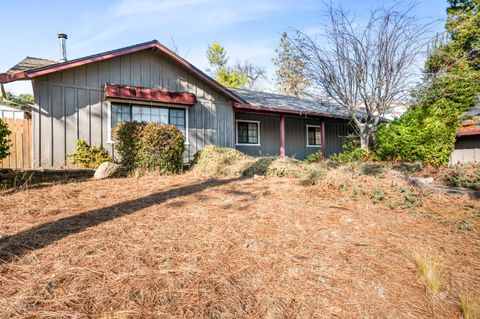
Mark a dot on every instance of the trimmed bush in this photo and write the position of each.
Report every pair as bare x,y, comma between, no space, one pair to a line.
149,147
4,140
89,156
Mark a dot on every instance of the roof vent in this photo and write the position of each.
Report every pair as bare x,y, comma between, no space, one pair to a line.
63,47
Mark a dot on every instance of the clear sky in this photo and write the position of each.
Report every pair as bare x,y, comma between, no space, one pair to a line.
249,29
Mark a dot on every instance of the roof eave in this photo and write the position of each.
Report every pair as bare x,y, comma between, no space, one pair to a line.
468,133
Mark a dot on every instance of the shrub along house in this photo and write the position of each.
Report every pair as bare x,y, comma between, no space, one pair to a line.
86,97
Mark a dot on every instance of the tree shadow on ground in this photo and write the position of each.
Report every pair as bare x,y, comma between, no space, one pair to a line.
17,245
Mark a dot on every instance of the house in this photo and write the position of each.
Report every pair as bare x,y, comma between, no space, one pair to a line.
86,97
467,144
8,112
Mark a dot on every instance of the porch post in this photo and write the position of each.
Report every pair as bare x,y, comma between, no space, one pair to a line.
322,138
282,135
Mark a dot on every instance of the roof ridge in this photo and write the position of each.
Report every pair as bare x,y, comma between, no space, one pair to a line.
33,57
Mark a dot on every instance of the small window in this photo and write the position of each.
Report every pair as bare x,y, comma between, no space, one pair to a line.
314,136
248,132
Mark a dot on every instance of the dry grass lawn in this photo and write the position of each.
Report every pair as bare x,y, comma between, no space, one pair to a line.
190,247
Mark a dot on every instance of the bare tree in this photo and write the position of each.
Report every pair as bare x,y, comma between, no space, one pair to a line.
254,74
363,67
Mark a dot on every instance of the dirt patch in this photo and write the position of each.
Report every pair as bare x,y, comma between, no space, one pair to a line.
192,247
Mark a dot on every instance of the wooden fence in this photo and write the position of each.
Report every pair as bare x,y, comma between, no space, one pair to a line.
21,148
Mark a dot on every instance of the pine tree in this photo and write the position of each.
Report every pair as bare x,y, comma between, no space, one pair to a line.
460,49
289,76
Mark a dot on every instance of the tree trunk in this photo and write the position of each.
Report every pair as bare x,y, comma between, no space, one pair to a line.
364,139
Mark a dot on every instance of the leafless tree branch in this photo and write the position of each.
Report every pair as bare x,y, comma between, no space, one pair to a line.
364,66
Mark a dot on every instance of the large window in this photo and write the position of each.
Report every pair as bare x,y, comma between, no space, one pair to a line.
139,113
314,136
248,132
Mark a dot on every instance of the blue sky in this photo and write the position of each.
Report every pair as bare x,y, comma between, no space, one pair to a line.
248,29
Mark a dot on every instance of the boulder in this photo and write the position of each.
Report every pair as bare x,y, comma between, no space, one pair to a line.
106,170
419,181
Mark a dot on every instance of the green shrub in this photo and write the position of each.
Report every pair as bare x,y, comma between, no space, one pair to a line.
4,140
352,152
89,156
427,131
149,147
464,175
315,157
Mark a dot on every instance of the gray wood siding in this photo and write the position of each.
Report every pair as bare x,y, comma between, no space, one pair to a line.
295,136
467,150
269,135
70,105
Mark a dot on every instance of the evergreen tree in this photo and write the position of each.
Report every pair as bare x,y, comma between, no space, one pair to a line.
289,76
460,49
427,131
221,72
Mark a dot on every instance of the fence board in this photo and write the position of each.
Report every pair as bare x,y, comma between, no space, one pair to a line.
21,148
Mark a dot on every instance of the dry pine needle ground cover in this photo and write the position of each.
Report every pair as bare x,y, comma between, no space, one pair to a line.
190,247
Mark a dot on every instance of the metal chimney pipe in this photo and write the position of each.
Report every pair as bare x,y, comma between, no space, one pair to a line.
63,47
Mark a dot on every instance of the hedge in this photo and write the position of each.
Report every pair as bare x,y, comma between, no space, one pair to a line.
149,147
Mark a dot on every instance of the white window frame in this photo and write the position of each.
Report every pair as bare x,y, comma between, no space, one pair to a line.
321,137
109,124
236,133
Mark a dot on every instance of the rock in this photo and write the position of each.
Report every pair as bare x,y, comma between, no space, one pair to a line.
258,176
106,170
419,181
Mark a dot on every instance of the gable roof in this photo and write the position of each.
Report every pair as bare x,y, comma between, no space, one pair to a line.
32,67
30,63
270,102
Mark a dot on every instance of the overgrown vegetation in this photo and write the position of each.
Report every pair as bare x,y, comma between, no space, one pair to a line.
4,140
88,156
427,131
147,147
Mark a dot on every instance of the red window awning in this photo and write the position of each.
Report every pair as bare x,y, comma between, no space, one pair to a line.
147,94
